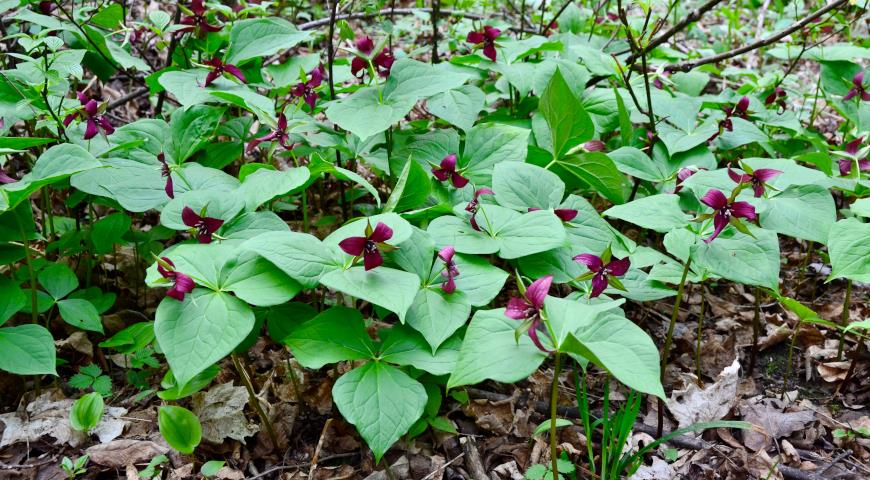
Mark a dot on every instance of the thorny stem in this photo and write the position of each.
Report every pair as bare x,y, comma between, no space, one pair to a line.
670,337
844,319
254,401
554,400
756,330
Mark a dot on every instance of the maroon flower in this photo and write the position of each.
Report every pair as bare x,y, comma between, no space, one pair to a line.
447,171
564,214
279,134
757,178
529,306
369,247
181,283
485,38
90,111
450,271
474,204
858,89
196,20
205,226
305,90
46,7
218,68
166,173
594,146
845,164
6,178
382,62
683,174
603,271
726,211
777,97
740,109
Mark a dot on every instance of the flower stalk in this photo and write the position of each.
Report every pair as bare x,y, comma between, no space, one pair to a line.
669,338
554,400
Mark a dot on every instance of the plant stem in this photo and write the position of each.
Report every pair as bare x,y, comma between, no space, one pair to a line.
554,400
844,319
605,428
436,10
698,339
670,337
253,400
791,347
34,310
583,406
756,330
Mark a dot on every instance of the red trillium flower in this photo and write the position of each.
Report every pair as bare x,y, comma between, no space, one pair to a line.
369,247
450,271
382,62
564,214
196,21
594,146
777,97
218,68
6,178
46,7
205,226
474,204
845,164
279,134
740,109
757,178
447,171
683,174
181,283
529,306
166,173
858,89
305,90
726,211
603,271
91,112
486,39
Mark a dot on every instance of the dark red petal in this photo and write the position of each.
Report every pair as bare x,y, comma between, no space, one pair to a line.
211,77
714,199
449,286
83,99
6,178
353,245
491,33
475,37
850,94
489,51
473,222
533,334
599,284
364,44
447,254
69,118
858,79
719,223
234,71
458,180
169,188
538,290
91,130
449,162
565,214
766,174
211,28
742,105
372,259
483,191
184,283
357,65
316,77
617,267
592,262
738,177
852,147
743,210
381,233
758,189
189,217
517,308
212,224
440,174
107,127
92,107
845,166
311,99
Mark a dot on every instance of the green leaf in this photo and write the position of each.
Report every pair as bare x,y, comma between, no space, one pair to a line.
192,129
598,171
202,262
201,330
490,351
625,128
488,144
180,428
479,281
365,114
216,204
459,106
80,313
546,426
416,80
368,397
661,213
392,289
301,256
131,339
174,391
108,231
437,315
406,347
55,164
261,37
522,186
27,350
58,280
335,335
806,212
411,190
402,230
849,248
86,412
741,258
265,185
109,17
211,468
282,320
257,281
569,123
12,299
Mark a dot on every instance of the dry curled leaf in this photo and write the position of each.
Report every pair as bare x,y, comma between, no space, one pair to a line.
120,453
694,404
221,411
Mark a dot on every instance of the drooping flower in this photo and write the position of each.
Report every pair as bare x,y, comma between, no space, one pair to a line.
279,134
305,90
450,271
485,38
757,178
740,109
166,173
564,214
726,211
845,164
858,89
447,171
474,204
529,307
181,283
594,146
196,20
46,7
218,68
205,226
603,271
777,97
369,247
91,112
683,174
382,62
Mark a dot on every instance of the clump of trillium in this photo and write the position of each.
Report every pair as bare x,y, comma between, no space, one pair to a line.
305,89
603,271
370,246
219,68
91,112
740,110
447,171
380,63
181,283
485,38
166,173
474,205
279,134
858,89
530,309
726,211
205,226
451,271
195,19
852,149
755,178
777,97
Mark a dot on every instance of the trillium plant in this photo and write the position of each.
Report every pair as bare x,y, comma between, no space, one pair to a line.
241,203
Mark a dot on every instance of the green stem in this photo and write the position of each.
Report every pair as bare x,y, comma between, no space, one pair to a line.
756,330
791,348
605,428
34,310
698,335
670,337
554,400
844,320
583,406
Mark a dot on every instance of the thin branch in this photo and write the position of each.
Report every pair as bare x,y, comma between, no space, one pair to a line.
556,17
693,16
139,92
387,11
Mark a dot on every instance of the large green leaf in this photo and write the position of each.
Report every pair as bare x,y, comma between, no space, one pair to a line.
478,280
392,289
192,129
264,185
335,335
12,299
258,281
80,313
807,212
216,205
459,106
661,212
27,350
849,248
56,163
58,280
180,428
366,113
598,171
741,258
490,143
261,37
381,401
437,315
301,256
522,186
406,347
201,330
569,123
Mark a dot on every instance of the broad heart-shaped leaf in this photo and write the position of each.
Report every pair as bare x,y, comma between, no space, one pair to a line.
569,123
365,113
660,212
389,288
180,428
635,162
521,186
58,280
458,106
741,258
849,248
12,299
411,190
264,185
55,164
478,280
416,254
27,350
192,128
413,79
569,316
490,143
807,212
490,351
677,140
186,87
383,402
80,313
218,205
201,330
596,170
336,335
743,132
301,256
406,347
257,281
261,37
202,262
437,315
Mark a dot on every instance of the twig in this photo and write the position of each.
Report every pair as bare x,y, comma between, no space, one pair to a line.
254,400
139,92
472,459
432,474
693,16
555,17
337,456
833,462
318,447
173,43
436,9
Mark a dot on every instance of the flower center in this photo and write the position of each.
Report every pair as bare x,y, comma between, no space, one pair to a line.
371,247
